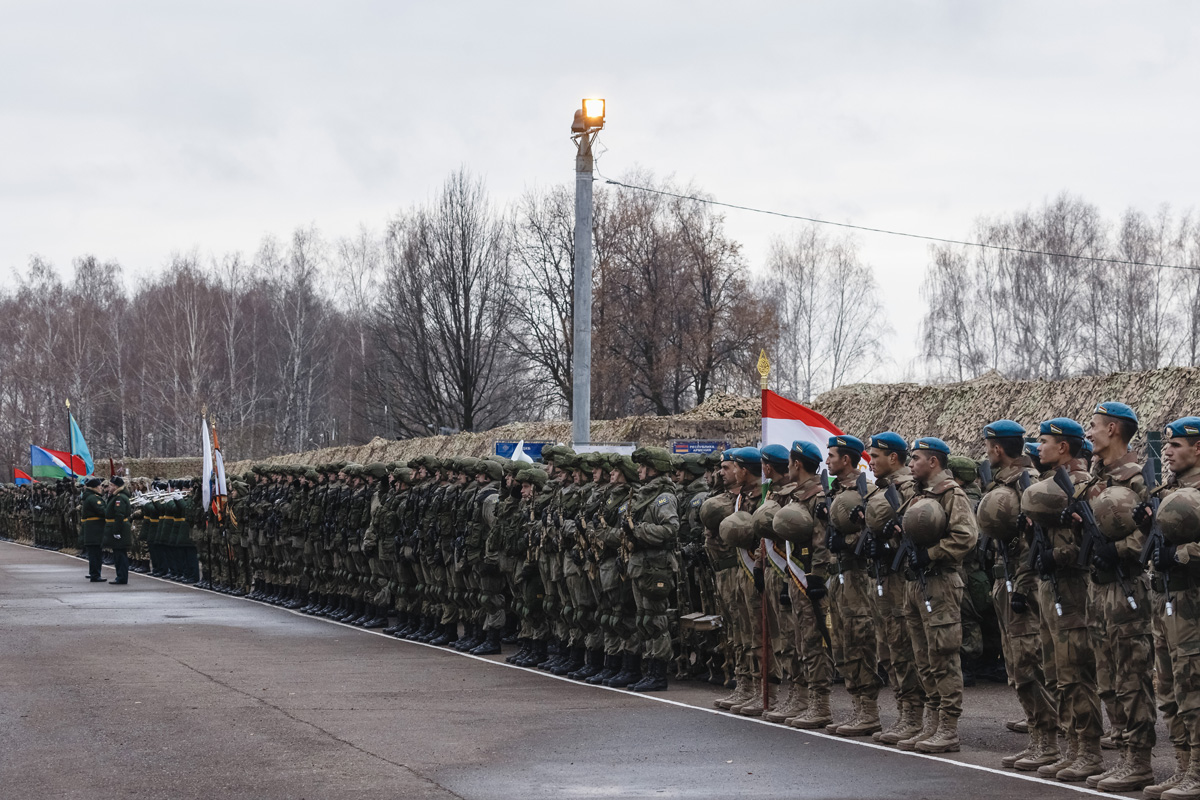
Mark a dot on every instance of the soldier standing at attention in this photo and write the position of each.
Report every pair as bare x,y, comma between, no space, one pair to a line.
1177,582
1123,639
91,528
726,570
118,529
1063,587
938,529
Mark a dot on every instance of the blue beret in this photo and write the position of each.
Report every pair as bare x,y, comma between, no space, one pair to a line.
727,455
747,455
932,443
1032,450
1061,426
808,450
1086,448
889,440
1003,429
1183,428
1118,410
849,442
775,454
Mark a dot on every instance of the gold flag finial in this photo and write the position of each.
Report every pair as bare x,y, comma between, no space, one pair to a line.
764,368
68,402
204,410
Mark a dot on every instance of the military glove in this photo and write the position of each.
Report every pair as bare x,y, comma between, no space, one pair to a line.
1104,556
1024,523
785,599
920,558
1164,556
1143,517
892,529
836,542
627,525
822,513
1068,518
858,515
1018,603
817,589
760,583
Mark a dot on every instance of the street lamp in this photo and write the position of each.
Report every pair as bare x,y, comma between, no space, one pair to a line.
588,122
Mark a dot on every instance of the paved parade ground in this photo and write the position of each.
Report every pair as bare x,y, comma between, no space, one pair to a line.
156,690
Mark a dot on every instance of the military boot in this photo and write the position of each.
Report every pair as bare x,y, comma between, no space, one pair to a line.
1116,769
298,599
1031,746
449,635
468,642
928,728
867,721
906,725
537,653
1089,761
1017,726
1189,787
755,707
377,618
592,661
490,645
308,607
753,697
1182,757
553,654
573,662
612,665
522,650
1138,774
655,678
411,626
401,621
944,740
855,713
739,695
1044,754
1066,757
817,715
631,672
788,705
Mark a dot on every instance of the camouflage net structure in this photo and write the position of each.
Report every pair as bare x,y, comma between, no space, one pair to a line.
956,412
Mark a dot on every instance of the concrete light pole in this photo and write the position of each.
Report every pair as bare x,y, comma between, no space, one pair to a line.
589,120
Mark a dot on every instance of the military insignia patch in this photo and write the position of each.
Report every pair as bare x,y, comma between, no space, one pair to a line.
662,500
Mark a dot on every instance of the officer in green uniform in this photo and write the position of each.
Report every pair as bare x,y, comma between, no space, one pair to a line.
118,530
91,528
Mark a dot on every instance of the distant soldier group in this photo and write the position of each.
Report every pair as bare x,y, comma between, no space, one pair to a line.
858,561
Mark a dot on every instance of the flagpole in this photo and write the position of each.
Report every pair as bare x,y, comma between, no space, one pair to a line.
70,441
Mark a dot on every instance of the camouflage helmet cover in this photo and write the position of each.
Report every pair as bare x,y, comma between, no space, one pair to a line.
925,522
1179,516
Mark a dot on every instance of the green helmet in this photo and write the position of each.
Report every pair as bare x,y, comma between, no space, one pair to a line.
468,465
695,464
656,458
925,522
794,524
404,474
963,468
998,511
626,466
532,475
737,530
714,509
1114,512
1179,516
492,469
1043,502
376,469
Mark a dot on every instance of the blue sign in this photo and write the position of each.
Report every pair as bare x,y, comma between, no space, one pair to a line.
531,449
684,446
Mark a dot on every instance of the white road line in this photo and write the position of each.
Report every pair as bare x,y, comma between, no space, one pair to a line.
1082,789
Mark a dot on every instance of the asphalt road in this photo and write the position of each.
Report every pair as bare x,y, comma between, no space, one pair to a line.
155,690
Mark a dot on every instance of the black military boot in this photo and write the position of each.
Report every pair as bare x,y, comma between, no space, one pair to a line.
612,665
423,633
539,653
377,618
655,679
631,672
554,654
511,626
592,664
573,662
350,611
523,646
490,645
478,637
449,635
307,608
467,641
415,620
358,613
337,604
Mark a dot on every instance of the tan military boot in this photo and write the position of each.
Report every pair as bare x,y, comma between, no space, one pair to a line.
754,695
1065,759
1116,769
800,704
740,694
1045,753
867,721
786,707
1017,726
906,725
1189,787
832,727
944,740
817,715
928,728
1138,774
755,707
1089,761
1182,757
1035,741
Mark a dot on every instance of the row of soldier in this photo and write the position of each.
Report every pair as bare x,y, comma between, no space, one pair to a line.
588,564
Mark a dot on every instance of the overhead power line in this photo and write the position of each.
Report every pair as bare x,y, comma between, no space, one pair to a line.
868,229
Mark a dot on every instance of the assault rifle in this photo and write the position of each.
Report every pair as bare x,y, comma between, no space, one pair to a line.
908,550
1154,539
1091,531
865,536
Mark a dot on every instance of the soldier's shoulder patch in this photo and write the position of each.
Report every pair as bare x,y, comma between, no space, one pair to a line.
662,500
623,508
697,501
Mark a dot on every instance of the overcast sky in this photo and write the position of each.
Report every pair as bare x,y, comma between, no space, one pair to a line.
131,130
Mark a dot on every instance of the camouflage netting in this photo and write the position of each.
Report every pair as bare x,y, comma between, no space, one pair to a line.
955,412
155,467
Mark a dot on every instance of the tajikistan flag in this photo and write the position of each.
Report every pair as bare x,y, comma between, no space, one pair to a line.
784,421
51,465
